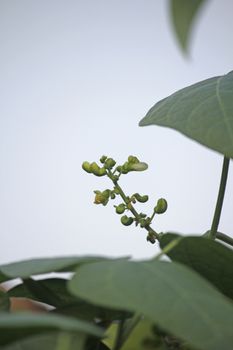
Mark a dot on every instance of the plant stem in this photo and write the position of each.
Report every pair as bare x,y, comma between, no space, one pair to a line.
221,192
131,207
63,341
225,238
152,216
118,340
167,248
129,327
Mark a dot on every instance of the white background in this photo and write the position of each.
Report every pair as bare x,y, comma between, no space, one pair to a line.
76,77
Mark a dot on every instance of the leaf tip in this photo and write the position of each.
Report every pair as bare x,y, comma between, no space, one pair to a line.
143,122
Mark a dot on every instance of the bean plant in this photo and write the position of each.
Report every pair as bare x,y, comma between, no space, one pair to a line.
181,298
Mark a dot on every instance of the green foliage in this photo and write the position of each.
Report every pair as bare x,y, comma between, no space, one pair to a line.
51,291
169,294
27,268
4,301
14,327
203,112
209,258
183,14
103,304
144,336
51,341
54,292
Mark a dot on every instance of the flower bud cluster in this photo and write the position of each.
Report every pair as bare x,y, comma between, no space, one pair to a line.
109,168
132,164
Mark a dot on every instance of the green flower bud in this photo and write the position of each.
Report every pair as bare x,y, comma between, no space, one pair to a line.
113,196
119,168
109,163
102,172
141,199
96,170
101,197
87,167
120,208
133,160
107,193
161,206
138,166
125,168
103,159
125,220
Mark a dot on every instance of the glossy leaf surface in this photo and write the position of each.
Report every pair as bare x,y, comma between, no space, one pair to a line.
173,296
203,112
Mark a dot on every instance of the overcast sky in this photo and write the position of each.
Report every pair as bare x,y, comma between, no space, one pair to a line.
76,78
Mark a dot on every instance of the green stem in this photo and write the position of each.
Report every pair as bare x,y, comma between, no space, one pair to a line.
131,208
118,340
63,341
167,248
129,327
152,216
221,192
224,238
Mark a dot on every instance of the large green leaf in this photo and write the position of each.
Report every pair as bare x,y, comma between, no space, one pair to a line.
20,325
203,112
209,258
90,312
4,301
54,292
27,268
49,341
170,294
183,13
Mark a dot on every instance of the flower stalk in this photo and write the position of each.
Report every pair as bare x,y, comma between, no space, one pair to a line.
114,172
